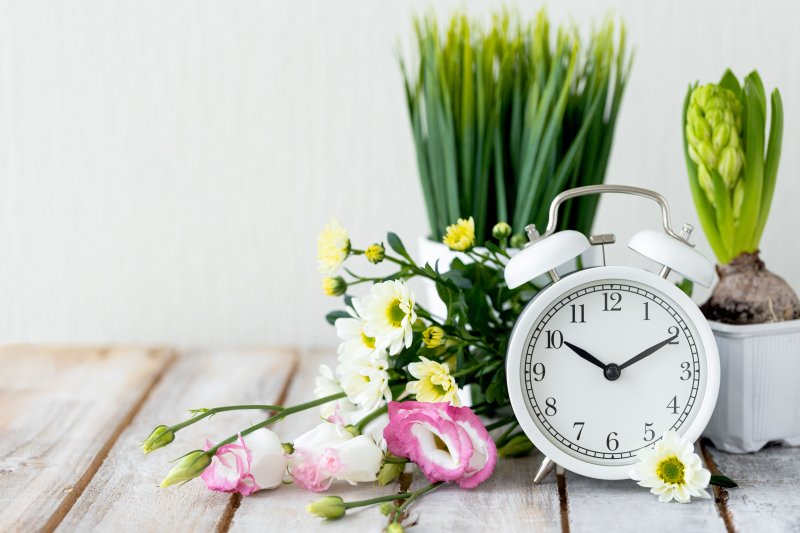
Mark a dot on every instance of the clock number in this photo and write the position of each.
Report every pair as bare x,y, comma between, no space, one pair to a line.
550,410
686,374
673,405
612,443
538,371
578,313
555,339
673,330
614,298
647,310
580,430
649,434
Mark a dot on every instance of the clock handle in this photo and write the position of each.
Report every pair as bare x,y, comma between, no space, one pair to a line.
618,189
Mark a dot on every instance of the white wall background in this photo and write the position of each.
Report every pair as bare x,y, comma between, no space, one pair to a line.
165,166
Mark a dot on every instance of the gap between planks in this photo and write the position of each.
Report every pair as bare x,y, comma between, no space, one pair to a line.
87,476
720,493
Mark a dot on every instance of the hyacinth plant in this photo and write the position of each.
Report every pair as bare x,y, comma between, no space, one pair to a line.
395,399
733,168
504,118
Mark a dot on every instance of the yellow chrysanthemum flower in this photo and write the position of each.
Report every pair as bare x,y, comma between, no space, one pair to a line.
435,384
333,247
461,235
433,337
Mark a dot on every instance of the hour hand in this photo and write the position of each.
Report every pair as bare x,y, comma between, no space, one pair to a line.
585,355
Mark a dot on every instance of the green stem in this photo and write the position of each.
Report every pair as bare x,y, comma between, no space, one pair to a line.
361,424
395,460
504,437
215,410
468,371
416,494
500,423
277,417
379,499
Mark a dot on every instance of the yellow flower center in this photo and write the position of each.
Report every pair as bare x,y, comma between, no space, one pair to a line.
671,470
396,314
369,342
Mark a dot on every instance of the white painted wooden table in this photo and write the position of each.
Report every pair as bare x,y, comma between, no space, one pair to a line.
72,419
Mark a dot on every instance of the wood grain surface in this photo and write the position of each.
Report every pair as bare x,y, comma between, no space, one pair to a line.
72,420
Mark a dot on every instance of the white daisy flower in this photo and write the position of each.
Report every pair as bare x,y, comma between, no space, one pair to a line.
671,470
355,343
333,247
389,313
365,380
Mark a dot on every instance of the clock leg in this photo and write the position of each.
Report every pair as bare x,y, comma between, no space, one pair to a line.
545,468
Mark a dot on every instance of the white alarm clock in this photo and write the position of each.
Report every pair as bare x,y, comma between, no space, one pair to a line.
602,362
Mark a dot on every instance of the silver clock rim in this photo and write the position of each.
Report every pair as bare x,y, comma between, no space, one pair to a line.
518,340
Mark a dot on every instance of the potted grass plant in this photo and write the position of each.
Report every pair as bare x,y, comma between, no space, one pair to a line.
732,160
504,118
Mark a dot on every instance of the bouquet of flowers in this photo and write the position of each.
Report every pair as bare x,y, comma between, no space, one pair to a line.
396,397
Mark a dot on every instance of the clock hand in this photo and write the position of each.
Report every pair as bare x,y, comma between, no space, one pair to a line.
649,351
585,355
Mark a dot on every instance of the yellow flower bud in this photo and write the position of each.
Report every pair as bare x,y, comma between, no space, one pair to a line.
375,253
387,508
335,286
329,507
518,240
501,231
160,437
189,467
433,337
395,527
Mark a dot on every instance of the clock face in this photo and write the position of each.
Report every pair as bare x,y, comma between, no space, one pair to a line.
608,366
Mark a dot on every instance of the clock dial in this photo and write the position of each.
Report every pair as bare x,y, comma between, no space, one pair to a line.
608,367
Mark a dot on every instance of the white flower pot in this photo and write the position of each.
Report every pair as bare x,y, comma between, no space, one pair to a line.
759,391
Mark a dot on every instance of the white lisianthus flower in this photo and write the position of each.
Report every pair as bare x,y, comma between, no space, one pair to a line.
365,380
326,384
329,452
333,247
389,313
671,470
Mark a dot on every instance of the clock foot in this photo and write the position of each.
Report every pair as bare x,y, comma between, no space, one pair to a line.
545,468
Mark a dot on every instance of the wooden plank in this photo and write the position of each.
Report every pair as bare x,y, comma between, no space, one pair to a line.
598,505
508,500
124,493
768,496
283,509
61,409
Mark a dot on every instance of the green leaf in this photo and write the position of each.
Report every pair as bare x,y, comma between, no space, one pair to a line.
335,315
754,165
397,245
686,286
770,165
722,481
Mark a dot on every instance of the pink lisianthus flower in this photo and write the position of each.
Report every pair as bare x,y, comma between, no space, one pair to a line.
329,452
245,468
448,443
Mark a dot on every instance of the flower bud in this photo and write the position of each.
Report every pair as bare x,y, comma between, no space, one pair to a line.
518,240
433,337
501,231
334,286
189,467
516,447
395,527
353,430
389,472
375,253
329,507
288,448
160,437
387,508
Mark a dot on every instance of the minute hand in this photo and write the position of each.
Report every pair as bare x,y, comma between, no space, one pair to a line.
649,351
